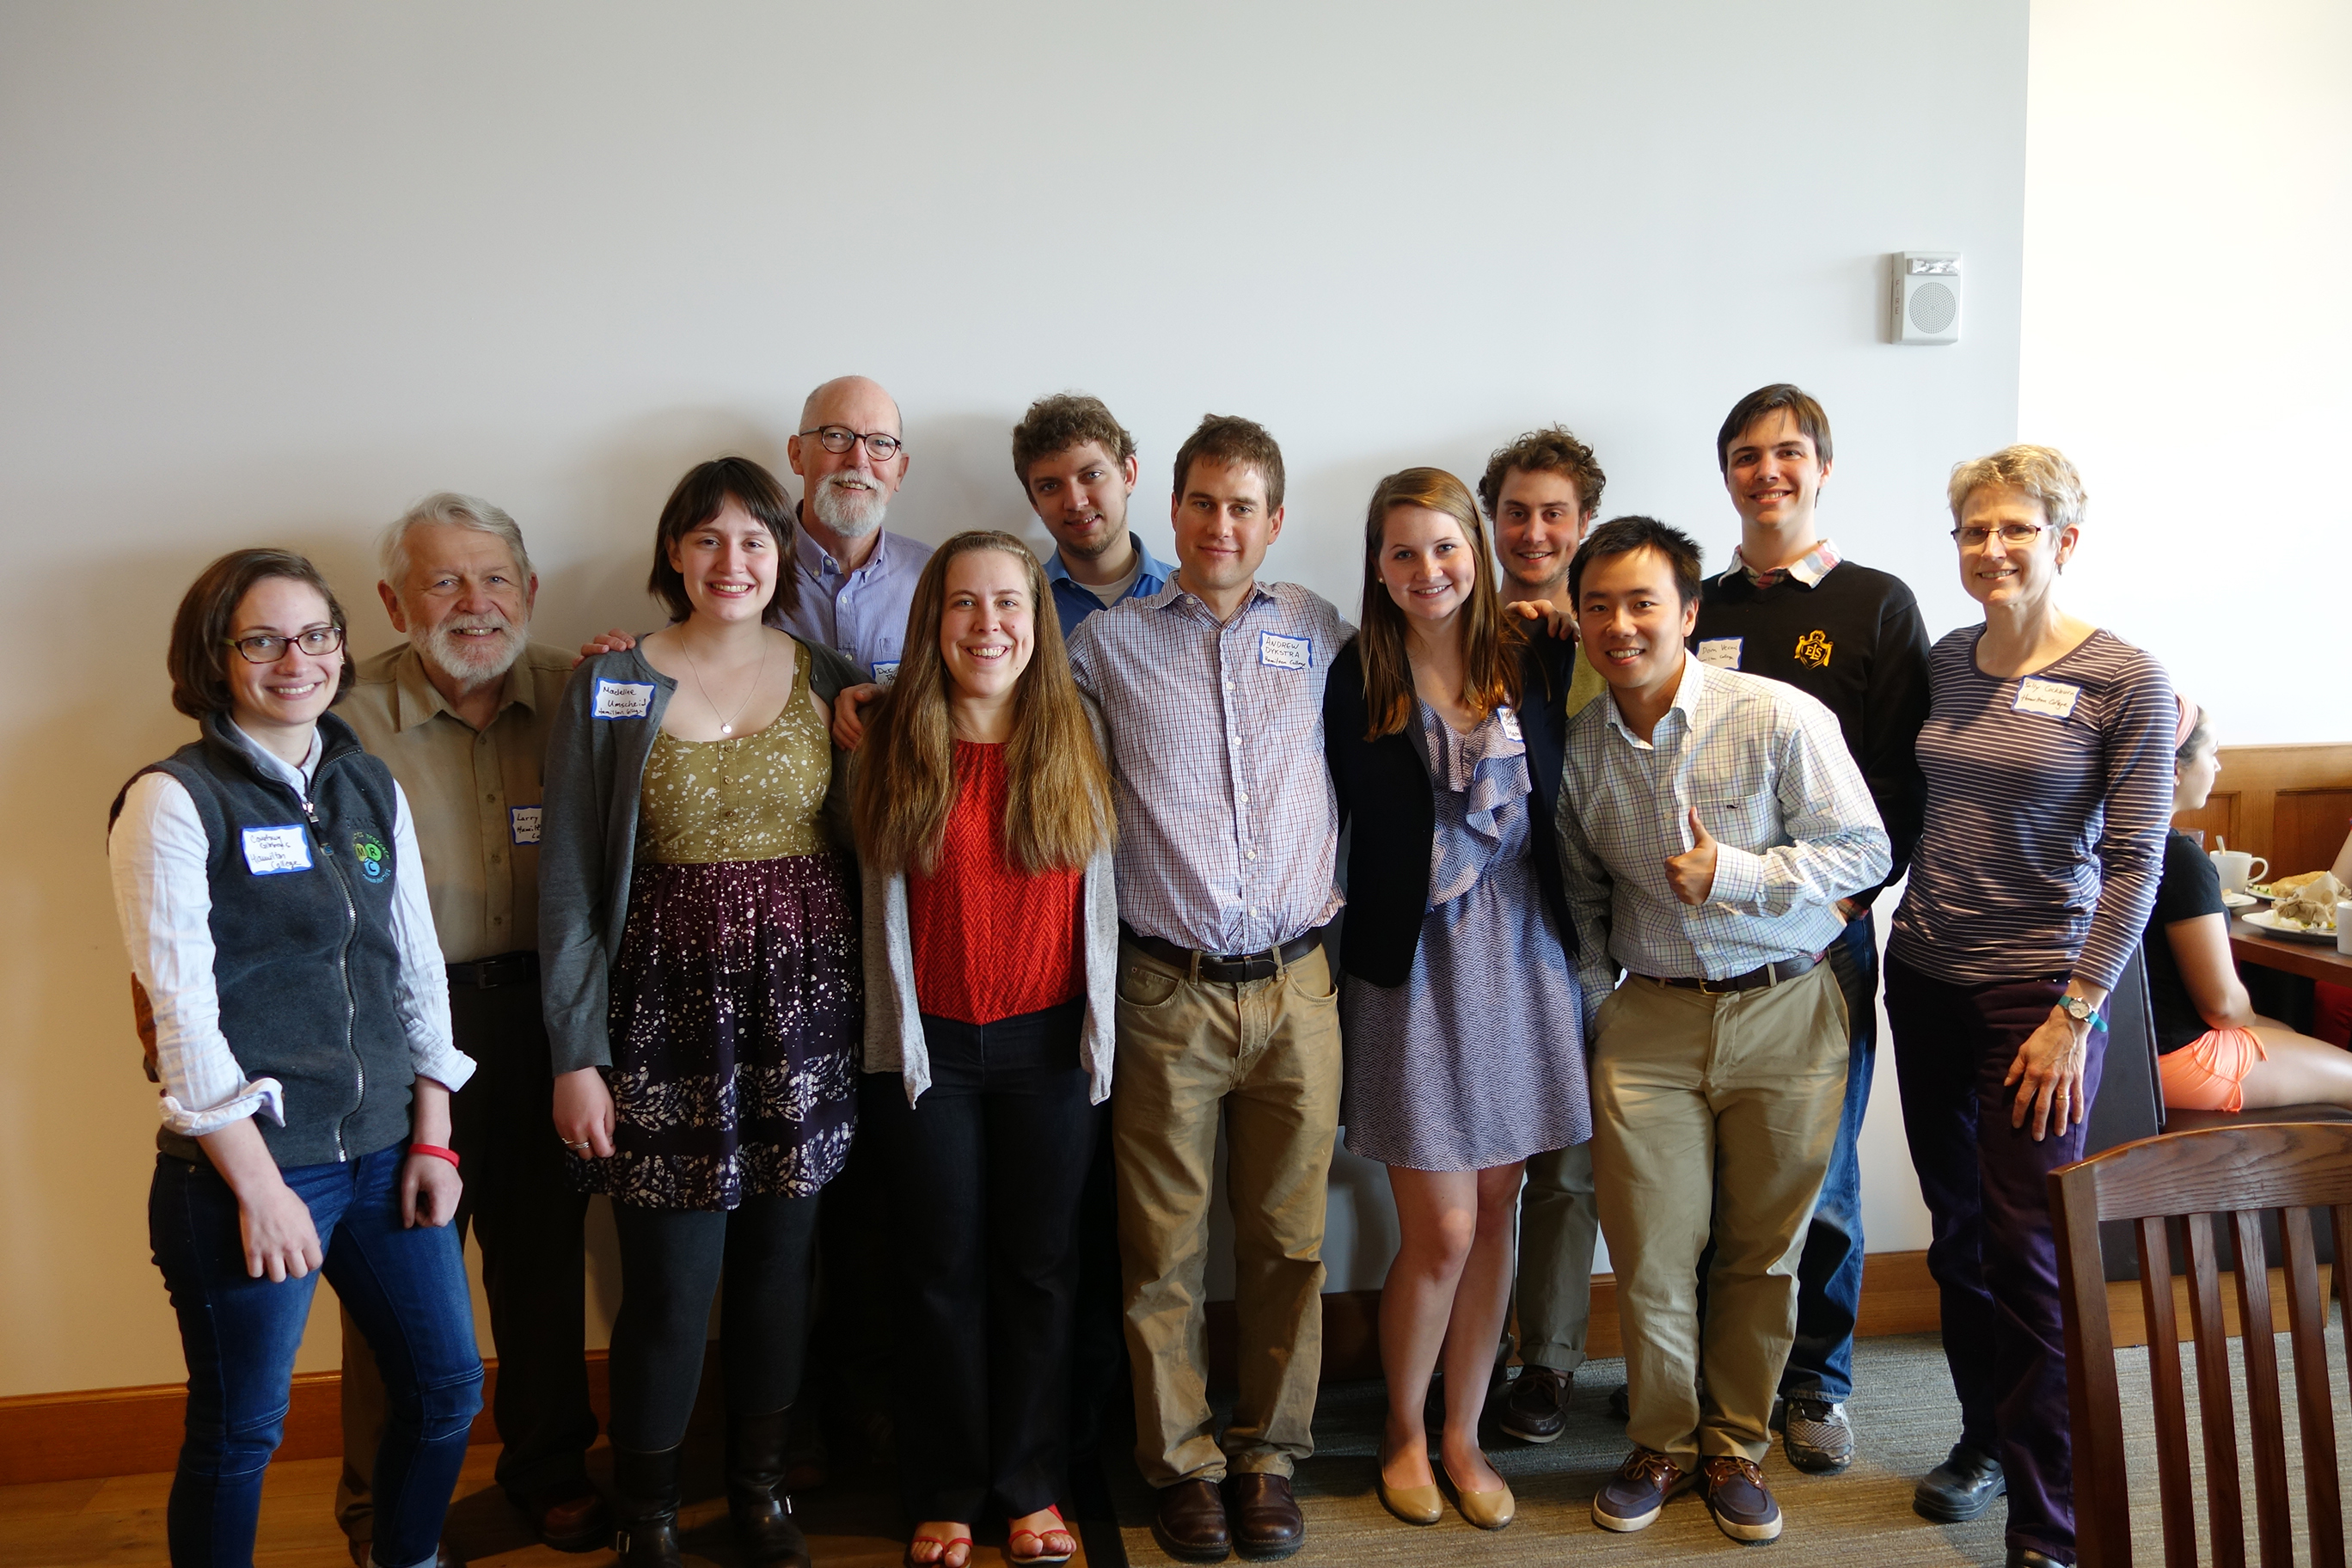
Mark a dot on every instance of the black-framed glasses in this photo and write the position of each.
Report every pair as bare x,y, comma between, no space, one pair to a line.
267,648
1973,535
839,438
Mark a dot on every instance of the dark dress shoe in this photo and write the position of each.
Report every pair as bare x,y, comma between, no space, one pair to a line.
1265,1517
570,1520
2026,1557
1961,1488
1190,1522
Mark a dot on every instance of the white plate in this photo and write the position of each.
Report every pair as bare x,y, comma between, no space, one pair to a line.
2267,919
2261,891
2240,900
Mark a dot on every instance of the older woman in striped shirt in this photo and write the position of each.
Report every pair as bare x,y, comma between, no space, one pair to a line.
2048,754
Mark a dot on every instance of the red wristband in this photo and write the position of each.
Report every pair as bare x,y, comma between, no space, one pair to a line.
437,1151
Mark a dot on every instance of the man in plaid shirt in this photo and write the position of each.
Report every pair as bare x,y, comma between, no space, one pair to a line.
1709,823
1228,830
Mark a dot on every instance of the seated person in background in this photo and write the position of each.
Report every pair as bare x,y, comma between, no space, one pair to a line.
2215,1052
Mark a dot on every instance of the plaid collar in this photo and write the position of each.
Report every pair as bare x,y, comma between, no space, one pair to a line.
1810,571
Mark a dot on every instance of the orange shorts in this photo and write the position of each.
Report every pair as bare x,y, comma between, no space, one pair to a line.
2210,1072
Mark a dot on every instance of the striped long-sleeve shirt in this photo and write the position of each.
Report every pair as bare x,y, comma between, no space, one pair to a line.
2047,799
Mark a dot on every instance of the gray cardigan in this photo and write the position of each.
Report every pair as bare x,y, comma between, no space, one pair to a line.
596,751
894,1024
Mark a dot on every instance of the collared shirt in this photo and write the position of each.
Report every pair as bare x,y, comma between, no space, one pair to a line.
1073,602
1774,784
158,854
476,795
860,615
1228,828
1815,565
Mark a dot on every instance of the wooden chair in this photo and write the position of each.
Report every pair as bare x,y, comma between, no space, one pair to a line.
2228,1174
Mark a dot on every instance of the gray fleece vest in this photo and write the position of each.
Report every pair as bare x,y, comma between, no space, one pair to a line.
304,959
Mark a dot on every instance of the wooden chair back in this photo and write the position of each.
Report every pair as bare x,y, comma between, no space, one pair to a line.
2286,804
2224,1175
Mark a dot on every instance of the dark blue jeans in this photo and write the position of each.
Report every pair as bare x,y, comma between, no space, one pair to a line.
1992,1252
404,1288
1829,1271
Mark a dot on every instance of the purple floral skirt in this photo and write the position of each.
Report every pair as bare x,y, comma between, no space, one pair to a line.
738,1008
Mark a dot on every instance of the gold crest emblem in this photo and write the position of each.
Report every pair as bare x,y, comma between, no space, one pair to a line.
1813,649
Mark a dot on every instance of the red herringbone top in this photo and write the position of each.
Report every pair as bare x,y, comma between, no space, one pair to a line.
992,941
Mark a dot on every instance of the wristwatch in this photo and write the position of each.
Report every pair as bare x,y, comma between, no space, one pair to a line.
2078,1008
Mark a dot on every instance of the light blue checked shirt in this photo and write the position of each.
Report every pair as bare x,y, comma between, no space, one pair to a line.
860,615
1228,829
1768,771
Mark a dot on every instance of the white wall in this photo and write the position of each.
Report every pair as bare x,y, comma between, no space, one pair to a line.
2188,222
269,272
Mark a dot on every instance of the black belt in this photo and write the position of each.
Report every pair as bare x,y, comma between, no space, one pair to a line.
1227,969
1754,980
489,974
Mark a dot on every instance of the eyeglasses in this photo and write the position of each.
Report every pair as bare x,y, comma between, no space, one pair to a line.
839,438
1973,536
268,647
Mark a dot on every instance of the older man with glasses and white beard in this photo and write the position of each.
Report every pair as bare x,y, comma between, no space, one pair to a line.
460,712
857,580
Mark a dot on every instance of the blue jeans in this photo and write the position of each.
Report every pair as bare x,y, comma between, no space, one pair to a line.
1829,1271
404,1288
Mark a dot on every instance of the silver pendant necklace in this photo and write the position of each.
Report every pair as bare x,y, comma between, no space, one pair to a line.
726,722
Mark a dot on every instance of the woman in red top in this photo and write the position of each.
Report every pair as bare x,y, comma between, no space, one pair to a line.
984,820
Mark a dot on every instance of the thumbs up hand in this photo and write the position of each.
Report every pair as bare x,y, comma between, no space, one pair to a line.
1692,872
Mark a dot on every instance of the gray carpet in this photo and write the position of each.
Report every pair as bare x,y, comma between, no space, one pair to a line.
1904,1422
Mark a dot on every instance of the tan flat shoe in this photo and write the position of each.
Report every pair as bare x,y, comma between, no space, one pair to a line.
1414,1505
1487,1510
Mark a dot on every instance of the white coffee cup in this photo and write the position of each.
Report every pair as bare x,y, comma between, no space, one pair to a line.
2237,869
2344,928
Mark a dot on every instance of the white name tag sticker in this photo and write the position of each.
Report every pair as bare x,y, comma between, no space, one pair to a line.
1720,653
1284,653
623,699
886,671
1509,722
274,851
2053,699
523,822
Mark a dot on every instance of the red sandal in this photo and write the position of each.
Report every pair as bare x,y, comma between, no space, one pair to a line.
945,1547
1060,1528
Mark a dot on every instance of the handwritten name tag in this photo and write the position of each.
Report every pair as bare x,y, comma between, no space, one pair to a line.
1283,653
2053,699
523,822
1720,653
886,671
623,699
1509,722
274,851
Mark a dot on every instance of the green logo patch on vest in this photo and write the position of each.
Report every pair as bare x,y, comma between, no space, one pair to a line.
374,858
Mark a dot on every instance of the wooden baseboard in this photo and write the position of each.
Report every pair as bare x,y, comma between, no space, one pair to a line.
133,1431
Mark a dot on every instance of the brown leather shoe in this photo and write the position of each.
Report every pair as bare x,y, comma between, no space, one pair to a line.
577,1522
1266,1521
1190,1522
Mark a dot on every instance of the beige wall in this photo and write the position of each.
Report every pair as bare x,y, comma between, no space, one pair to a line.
269,272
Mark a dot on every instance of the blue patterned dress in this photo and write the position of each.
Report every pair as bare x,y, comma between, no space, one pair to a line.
1477,1060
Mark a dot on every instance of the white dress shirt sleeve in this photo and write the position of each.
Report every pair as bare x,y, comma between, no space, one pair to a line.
163,898
1840,846
422,991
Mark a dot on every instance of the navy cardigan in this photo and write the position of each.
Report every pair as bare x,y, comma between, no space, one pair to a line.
1384,788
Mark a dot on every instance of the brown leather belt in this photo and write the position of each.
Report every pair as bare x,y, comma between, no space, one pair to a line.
1226,969
1754,980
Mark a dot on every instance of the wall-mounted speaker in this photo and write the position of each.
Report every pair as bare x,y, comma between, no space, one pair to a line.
1925,307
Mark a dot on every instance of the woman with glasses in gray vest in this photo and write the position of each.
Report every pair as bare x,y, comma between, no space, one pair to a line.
266,877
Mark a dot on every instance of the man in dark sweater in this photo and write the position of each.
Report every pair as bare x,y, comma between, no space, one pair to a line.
1789,608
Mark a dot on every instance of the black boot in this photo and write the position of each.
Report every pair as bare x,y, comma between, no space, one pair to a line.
756,1498
645,1505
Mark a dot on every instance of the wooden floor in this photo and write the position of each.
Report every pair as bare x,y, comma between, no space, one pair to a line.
118,1522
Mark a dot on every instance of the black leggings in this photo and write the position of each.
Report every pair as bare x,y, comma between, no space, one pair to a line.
671,1263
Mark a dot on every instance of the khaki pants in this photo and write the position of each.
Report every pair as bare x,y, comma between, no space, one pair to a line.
1266,1055
1557,1223
1712,1115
